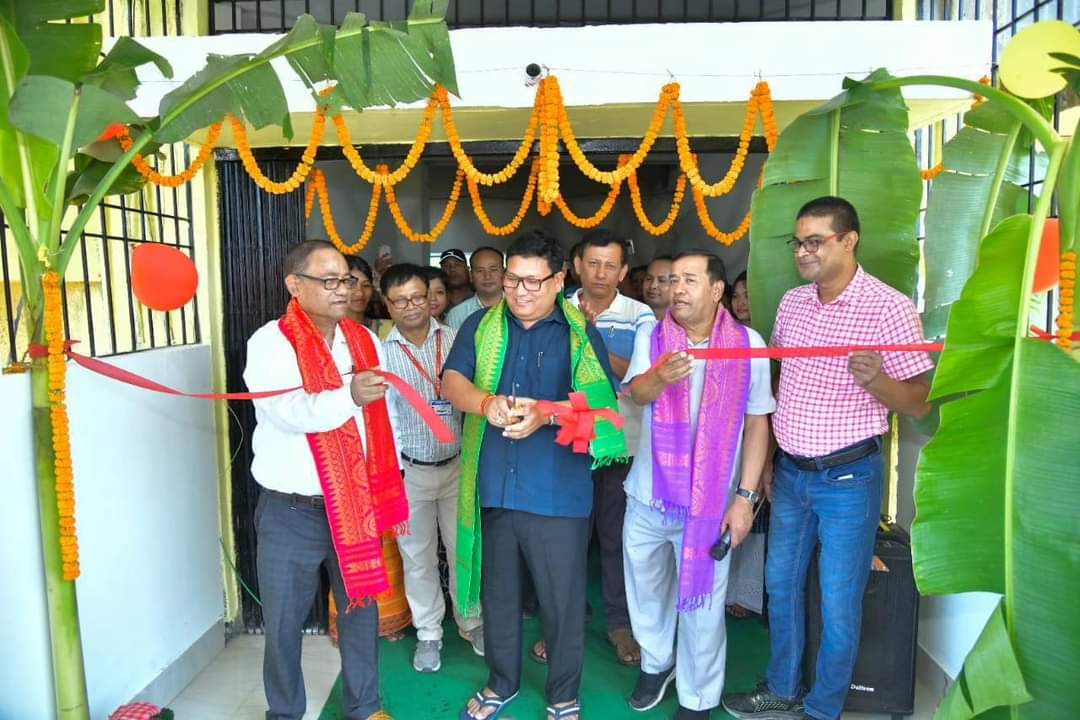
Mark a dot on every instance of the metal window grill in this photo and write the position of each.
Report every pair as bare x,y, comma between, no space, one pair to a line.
232,16
100,309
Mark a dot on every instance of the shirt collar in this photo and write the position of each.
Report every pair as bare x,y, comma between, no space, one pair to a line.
395,335
619,297
847,295
556,316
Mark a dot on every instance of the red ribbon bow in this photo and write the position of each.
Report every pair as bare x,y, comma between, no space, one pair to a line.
577,421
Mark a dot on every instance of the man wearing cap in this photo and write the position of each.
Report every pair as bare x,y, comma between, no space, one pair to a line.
455,265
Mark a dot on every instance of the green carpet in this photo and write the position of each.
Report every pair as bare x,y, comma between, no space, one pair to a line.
605,687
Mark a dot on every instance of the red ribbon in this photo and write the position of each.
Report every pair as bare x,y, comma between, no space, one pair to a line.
782,353
423,408
577,421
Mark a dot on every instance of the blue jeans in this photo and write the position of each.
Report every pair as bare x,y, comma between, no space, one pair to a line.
838,508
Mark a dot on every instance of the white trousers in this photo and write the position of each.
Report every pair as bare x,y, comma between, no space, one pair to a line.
433,499
694,642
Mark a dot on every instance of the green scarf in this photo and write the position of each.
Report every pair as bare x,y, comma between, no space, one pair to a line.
588,377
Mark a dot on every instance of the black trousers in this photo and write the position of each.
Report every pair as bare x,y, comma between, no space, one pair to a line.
294,541
609,509
553,550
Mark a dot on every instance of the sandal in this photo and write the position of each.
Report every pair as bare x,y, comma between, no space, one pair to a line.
538,652
627,650
558,713
486,701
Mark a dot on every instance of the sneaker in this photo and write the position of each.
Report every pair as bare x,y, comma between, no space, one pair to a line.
427,658
474,637
762,704
650,689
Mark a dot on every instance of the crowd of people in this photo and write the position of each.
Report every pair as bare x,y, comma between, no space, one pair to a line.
710,455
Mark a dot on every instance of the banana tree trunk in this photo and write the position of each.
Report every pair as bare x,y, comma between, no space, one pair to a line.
69,675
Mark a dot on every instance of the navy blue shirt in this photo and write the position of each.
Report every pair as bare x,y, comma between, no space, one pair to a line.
534,475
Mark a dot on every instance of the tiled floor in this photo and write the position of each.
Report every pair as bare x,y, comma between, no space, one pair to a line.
231,688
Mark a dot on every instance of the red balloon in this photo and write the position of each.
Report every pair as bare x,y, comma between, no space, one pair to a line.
162,277
1046,270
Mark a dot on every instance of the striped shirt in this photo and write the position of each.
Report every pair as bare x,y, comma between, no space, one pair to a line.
415,438
822,408
618,325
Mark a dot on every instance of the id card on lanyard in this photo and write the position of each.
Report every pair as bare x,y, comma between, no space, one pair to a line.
442,408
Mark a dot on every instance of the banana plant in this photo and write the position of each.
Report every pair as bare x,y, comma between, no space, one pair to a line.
855,146
57,96
997,485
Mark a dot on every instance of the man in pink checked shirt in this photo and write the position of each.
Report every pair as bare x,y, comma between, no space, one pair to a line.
828,472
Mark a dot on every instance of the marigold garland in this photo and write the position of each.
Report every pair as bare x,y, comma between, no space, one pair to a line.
466,163
526,200
316,187
1067,282
597,217
123,135
63,470
673,213
932,172
448,213
307,160
411,159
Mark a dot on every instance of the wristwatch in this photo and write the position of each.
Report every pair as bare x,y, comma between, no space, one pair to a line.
749,495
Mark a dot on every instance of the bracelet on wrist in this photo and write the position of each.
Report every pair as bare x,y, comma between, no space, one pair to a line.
484,403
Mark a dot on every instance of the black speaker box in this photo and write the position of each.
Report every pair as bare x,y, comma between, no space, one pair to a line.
884,676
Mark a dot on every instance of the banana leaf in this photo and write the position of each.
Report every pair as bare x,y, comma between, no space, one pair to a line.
996,493
855,146
986,165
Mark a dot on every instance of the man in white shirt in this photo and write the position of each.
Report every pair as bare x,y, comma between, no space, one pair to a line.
416,349
486,271
326,461
708,421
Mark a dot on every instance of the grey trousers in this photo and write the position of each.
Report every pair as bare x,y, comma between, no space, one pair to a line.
552,549
293,542
694,642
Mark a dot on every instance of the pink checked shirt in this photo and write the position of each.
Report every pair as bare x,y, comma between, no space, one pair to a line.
822,408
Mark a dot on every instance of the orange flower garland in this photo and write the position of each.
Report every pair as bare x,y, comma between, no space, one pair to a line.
673,213
596,218
932,172
463,160
316,186
760,102
1067,281
448,213
318,126
123,136
549,141
411,159
61,436
526,200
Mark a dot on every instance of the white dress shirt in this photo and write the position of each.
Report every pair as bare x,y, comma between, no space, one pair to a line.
283,459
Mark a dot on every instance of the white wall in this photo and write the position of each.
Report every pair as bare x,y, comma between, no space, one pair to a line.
949,625
146,511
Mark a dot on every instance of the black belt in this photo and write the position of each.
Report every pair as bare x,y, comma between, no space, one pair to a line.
851,453
426,463
295,500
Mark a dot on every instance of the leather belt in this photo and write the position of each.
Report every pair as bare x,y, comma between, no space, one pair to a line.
427,463
295,500
851,453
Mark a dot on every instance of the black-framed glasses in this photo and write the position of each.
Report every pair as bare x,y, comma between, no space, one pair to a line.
415,301
509,282
332,283
812,243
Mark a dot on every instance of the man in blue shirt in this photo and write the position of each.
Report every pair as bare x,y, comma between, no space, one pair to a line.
535,495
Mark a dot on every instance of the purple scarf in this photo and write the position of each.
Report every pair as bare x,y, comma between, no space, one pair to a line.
691,480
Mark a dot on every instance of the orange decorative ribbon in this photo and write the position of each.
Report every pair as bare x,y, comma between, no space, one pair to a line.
577,421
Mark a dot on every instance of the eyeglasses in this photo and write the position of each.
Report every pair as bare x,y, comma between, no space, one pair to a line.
332,283
812,243
509,282
415,301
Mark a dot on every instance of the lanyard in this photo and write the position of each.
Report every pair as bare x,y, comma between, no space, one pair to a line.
437,381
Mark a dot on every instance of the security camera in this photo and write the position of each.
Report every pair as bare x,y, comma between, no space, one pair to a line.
534,73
